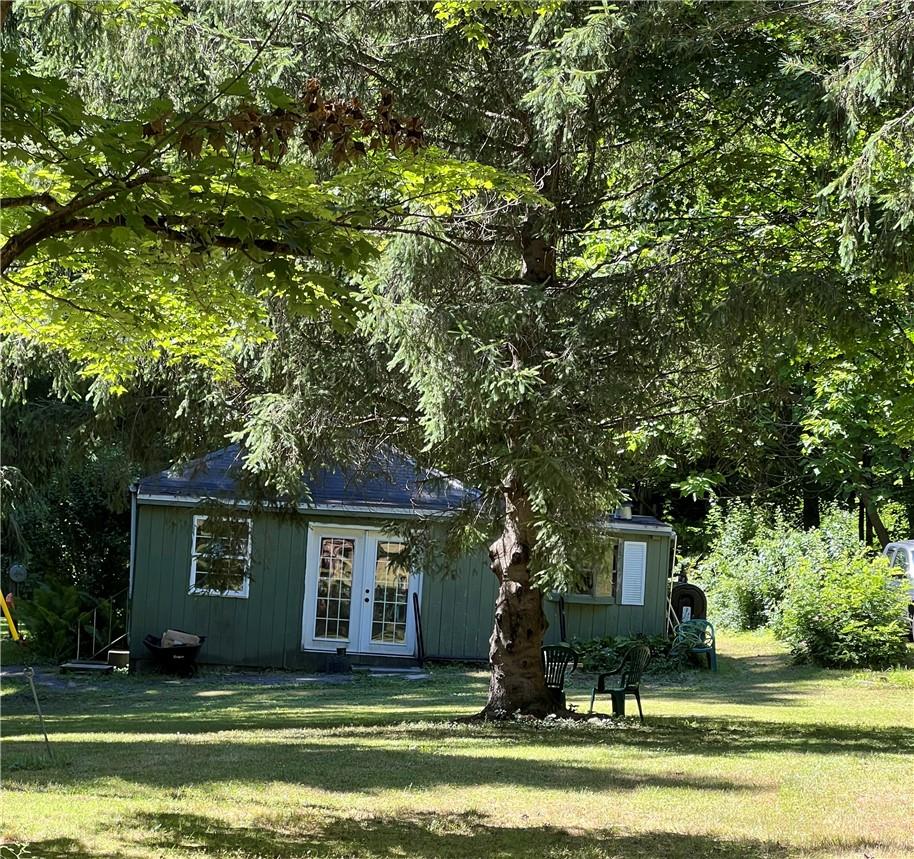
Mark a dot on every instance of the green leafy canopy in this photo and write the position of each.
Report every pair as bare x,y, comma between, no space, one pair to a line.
173,235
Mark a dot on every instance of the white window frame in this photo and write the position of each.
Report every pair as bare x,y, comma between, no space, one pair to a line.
209,592
590,595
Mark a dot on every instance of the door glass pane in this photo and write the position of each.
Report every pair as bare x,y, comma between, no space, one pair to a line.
334,587
391,594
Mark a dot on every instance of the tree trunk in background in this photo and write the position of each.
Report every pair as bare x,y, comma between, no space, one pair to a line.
515,648
874,521
811,516
866,461
907,483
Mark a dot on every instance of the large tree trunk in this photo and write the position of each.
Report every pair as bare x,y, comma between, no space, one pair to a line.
518,683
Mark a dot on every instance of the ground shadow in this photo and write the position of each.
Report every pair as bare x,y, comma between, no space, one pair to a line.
336,765
754,680
322,835
49,848
196,706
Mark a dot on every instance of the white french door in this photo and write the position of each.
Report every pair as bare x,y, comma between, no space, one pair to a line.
356,594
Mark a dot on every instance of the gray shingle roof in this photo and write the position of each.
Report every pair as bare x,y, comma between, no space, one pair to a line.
393,481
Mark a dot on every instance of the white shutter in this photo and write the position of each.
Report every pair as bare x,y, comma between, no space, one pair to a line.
634,568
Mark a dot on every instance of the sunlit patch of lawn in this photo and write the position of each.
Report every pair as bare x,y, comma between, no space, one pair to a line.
763,759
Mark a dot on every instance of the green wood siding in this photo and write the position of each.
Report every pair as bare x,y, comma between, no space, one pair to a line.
266,628
596,620
457,610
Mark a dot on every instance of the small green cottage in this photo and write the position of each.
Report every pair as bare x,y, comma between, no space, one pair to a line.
294,589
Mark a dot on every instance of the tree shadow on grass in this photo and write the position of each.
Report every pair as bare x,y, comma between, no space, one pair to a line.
755,680
676,735
701,735
197,707
427,755
49,848
322,834
713,737
341,765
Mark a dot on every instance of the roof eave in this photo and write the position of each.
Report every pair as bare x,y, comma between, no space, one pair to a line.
345,509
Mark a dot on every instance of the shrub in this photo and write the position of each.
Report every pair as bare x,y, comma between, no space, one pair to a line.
604,654
754,554
846,612
50,617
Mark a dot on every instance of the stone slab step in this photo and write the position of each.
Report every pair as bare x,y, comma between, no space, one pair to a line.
87,667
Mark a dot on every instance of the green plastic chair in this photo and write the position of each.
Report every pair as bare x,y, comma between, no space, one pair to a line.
556,659
629,672
697,636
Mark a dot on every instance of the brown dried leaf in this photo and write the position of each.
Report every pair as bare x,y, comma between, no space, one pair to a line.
217,139
155,127
191,145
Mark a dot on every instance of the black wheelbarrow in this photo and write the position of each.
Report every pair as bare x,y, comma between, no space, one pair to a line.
177,659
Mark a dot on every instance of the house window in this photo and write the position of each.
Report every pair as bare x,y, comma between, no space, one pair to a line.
220,556
602,579
391,595
336,567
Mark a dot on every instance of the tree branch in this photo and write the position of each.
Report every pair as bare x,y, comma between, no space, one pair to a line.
57,221
45,200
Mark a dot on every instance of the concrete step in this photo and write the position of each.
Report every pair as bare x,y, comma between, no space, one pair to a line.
414,673
86,667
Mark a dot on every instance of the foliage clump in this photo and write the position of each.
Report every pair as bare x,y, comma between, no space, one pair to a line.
845,613
50,617
604,654
818,590
754,554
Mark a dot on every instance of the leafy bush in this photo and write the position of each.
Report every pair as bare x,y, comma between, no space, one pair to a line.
844,613
50,617
72,527
604,654
754,554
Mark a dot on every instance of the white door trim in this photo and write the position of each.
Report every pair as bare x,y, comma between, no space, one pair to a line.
316,532
359,642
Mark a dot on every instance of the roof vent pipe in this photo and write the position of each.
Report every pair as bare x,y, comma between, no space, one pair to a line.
624,511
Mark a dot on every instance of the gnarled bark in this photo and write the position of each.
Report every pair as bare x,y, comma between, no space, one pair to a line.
518,683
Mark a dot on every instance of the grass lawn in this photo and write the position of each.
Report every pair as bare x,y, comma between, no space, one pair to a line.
764,759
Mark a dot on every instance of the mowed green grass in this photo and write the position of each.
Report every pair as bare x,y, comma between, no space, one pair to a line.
765,759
